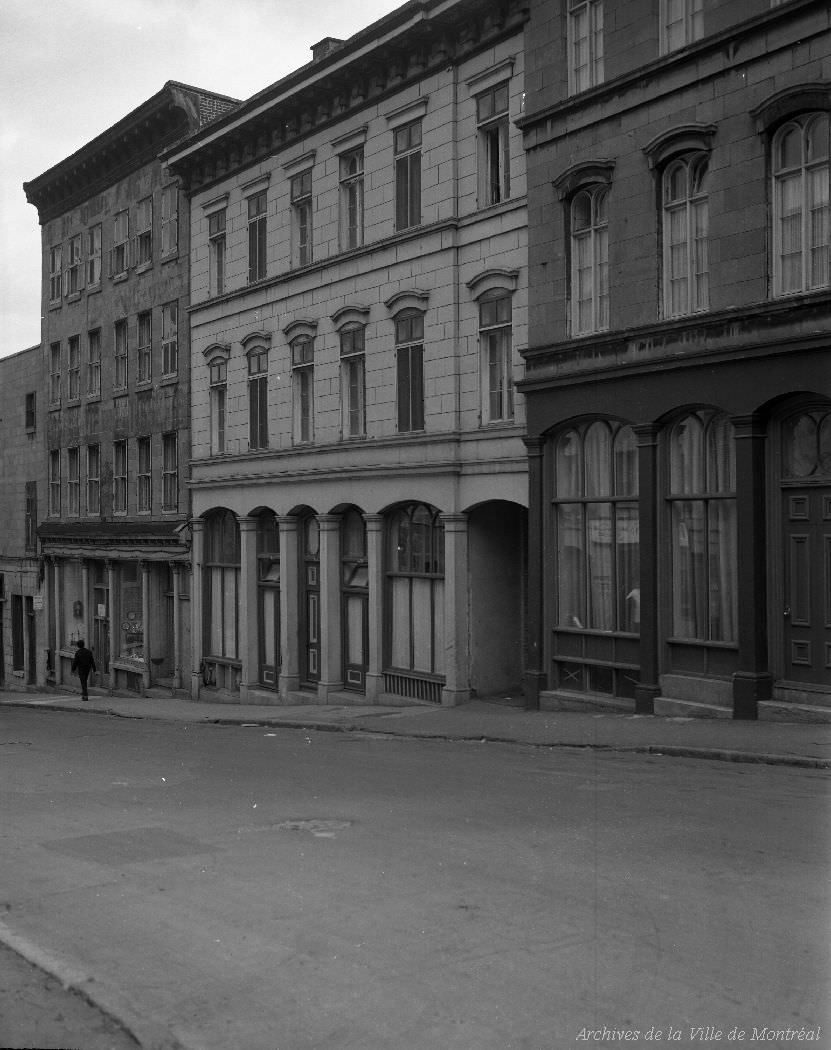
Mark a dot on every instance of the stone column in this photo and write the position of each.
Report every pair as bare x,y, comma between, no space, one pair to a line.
112,605
752,681
87,608
248,626
144,569
331,644
534,677
57,589
647,687
456,610
177,627
197,617
289,645
375,602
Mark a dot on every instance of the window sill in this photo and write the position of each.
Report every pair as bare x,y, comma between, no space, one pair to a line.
55,304
94,288
172,257
170,380
143,267
144,384
119,277
93,398
73,402
73,297
55,406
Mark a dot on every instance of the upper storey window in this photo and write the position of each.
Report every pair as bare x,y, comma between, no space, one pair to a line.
590,260
685,227
256,237
144,232
801,205
121,236
682,23
73,277
494,157
301,204
55,256
352,199
585,44
408,175
170,219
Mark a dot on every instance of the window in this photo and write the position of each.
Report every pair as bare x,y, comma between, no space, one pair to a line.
409,341
170,219
218,381
585,44
496,364
408,176
144,349
94,255
353,382
256,237
801,228
73,277
589,261
120,477
18,645
119,256
216,240
31,517
120,378
94,363
301,204
93,479
143,475
73,480
415,579
55,275
31,410
702,501
352,199
258,398
222,585
268,597
74,368
302,379
494,157
170,338
596,551
170,472
55,482
55,374
685,226
682,22
144,232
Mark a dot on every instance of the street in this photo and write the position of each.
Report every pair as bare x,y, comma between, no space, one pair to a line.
232,886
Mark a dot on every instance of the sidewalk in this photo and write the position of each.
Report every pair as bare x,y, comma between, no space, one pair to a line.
776,743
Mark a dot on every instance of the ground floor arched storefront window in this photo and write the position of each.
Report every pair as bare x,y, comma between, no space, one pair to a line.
221,604
596,554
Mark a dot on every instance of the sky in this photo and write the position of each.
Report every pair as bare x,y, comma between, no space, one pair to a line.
68,71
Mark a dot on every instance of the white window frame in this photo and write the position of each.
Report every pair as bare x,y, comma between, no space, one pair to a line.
170,471
494,156
302,226
302,384
144,475
93,479
73,481
409,347
685,225
257,236
258,397
351,167
120,251
218,380
407,146
55,374
682,23
94,255
585,45
170,219
144,347
496,367
120,354
55,482
120,468
144,233
170,338
811,178
55,273
73,368
217,223
353,381
94,362
589,246
74,273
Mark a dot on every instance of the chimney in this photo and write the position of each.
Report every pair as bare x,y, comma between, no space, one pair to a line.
323,48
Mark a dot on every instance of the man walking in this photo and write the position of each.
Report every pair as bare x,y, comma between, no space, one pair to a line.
82,663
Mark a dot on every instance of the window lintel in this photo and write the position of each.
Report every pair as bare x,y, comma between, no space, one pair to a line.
255,340
405,114
684,139
801,98
257,185
355,314
411,299
300,327
587,173
351,140
491,76
299,164
216,204
491,280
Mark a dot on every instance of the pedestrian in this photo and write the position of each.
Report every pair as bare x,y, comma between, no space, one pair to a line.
82,663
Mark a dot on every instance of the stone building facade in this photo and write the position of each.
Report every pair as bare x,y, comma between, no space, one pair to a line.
23,641
678,376
358,308
116,387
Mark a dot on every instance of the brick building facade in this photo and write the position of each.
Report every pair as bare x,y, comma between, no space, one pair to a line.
678,377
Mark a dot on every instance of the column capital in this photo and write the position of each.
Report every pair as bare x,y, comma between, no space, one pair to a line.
374,522
328,522
646,433
287,522
197,524
247,522
534,445
751,425
454,522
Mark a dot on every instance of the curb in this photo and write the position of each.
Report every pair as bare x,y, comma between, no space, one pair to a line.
658,750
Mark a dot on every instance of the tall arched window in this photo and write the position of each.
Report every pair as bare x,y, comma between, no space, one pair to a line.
415,574
268,597
801,155
702,496
222,578
355,596
596,522
590,260
685,226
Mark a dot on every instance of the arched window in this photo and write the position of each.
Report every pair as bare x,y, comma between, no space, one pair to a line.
807,445
685,229
353,380
702,497
596,523
268,597
222,578
355,594
590,260
415,574
302,378
801,156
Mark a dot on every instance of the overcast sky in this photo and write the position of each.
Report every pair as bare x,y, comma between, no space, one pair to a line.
68,71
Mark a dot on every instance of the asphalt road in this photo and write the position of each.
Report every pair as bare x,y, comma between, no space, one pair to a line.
223,886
